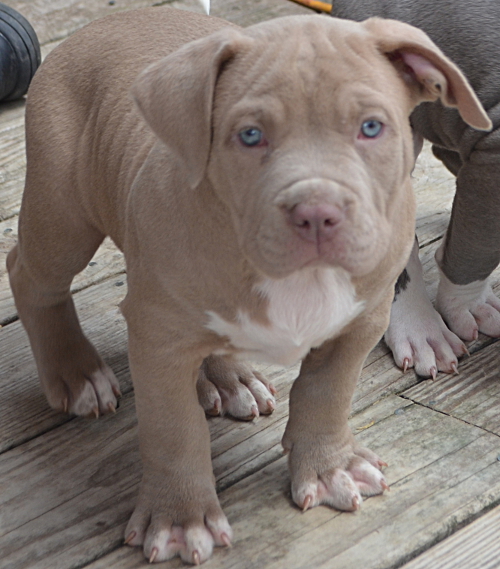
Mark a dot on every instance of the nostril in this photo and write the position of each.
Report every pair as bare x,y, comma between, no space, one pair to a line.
315,222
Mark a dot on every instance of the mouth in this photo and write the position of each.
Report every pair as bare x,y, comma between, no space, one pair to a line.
318,251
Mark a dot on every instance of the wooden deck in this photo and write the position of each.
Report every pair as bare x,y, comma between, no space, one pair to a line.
67,485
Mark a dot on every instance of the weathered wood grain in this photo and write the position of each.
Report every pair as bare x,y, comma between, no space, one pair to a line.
56,19
434,189
472,396
474,547
441,473
380,377
12,158
248,12
107,261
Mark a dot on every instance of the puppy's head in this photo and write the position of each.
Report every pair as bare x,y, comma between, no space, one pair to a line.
301,126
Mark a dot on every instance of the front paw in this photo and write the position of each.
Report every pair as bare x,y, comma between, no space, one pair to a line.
226,386
177,518
338,477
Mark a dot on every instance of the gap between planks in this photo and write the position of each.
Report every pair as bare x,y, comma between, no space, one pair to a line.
475,546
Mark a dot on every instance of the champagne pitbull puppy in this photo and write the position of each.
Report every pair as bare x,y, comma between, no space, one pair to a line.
468,34
259,216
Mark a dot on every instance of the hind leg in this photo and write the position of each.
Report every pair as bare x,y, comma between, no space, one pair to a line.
471,250
55,244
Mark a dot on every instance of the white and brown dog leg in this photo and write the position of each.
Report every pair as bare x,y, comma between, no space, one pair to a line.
417,335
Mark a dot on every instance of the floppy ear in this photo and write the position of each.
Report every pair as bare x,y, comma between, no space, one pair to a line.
427,70
175,95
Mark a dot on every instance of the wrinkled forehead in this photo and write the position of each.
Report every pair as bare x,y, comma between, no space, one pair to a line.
307,57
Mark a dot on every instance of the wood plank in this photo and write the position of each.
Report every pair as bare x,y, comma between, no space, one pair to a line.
436,481
55,465
434,188
248,12
380,376
473,395
56,19
107,261
474,547
429,490
12,158
49,453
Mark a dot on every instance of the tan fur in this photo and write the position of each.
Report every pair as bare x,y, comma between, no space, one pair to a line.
205,221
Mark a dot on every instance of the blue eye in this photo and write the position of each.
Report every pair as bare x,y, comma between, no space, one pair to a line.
251,136
371,128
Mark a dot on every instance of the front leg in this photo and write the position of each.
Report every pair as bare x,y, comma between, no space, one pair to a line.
327,465
177,512
417,335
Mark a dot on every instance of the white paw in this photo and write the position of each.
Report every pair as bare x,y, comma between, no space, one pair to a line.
229,387
417,335
335,488
419,338
335,478
469,309
193,545
171,522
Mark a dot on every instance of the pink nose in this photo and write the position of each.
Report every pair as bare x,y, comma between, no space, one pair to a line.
315,223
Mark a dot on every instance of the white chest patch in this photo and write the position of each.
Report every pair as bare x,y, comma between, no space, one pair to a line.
305,309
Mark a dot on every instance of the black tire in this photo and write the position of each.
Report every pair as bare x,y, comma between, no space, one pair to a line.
19,54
